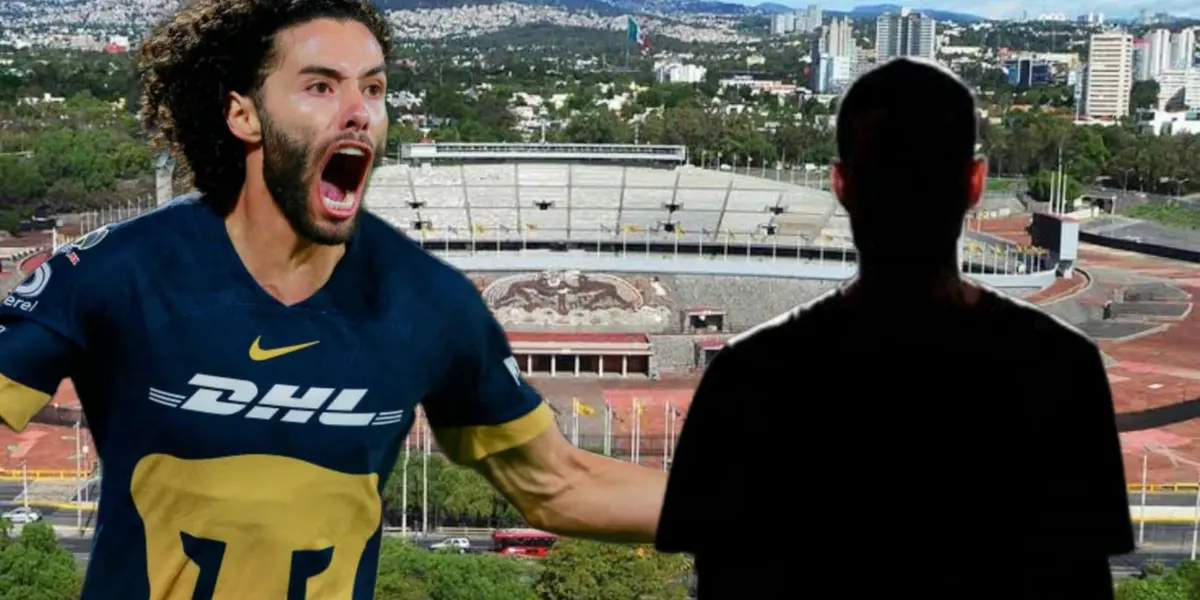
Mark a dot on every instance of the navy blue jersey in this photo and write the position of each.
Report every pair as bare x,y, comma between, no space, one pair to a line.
245,443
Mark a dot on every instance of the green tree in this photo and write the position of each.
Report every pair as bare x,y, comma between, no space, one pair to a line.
33,566
1166,588
1144,94
582,570
1041,186
410,573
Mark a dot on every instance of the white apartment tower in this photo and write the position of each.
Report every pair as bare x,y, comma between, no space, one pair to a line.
905,34
1158,52
1183,46
837,38
1109,76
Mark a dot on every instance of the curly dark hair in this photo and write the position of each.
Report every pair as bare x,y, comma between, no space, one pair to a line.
191,62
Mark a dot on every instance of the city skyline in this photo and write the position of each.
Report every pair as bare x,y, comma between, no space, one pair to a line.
1011,9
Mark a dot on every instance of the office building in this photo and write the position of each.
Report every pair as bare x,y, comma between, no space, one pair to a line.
1158,52
809,19
905,34
675,72
837,38
1179,88
783,24
1027,73
801,21
1109,76
1141,59
832,74
1183,49
835,58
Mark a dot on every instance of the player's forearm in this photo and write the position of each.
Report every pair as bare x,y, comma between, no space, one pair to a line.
607,500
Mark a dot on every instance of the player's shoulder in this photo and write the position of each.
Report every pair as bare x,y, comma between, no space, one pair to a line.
769,337
1032,325
115,248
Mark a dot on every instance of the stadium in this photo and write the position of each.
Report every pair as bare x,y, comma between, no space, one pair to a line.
620,270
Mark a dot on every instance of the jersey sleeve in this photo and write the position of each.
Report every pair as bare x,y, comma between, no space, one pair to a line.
694,495
1089,508
483,405
43,325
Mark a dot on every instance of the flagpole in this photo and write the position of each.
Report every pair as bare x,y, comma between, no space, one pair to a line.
633,433
674,429
1196,522
1142,509
575,422
607,429
666,433
404,489
425,476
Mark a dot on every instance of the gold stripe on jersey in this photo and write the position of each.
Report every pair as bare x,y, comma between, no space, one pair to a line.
476,442
19,403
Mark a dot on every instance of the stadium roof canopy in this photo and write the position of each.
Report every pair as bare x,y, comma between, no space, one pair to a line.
567,201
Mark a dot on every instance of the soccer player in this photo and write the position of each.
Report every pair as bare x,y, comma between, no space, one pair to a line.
249,357
912,432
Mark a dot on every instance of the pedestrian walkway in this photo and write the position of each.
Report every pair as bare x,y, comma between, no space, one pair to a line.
1163,514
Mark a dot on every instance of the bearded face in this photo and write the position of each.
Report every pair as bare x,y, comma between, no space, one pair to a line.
318,185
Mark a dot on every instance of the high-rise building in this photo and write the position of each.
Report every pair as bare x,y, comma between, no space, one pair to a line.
1183,49
1109,75
801,21
834,56
837,38
783,24
1141,59
1026,72
1158,52
809,19
905,34
1179,87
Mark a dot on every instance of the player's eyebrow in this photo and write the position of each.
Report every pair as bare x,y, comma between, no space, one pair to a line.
333,73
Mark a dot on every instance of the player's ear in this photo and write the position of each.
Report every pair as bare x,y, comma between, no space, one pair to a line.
837,182
241,115
977,182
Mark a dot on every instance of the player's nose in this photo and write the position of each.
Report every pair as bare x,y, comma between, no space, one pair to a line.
355,116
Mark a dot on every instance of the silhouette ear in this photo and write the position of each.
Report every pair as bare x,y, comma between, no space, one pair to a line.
242,117
978,181
837,182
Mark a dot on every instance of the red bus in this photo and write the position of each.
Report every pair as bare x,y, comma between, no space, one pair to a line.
522,542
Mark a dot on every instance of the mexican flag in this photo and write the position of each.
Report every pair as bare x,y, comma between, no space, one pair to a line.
635,34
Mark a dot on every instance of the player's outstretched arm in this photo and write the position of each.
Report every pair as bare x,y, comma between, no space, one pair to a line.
569,491
486,416
41,333
33,361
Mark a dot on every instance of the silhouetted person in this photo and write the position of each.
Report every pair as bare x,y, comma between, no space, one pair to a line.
910,432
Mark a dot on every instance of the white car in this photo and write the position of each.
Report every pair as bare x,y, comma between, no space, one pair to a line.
21,516
460,544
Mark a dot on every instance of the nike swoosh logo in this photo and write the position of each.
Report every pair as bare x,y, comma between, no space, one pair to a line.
258,354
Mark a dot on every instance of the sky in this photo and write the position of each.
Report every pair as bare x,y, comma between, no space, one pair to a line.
1005,9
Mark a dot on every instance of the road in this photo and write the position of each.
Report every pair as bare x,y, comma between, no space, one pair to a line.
1163,542
1164,499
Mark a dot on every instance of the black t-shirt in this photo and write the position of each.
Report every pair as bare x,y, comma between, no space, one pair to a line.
906,448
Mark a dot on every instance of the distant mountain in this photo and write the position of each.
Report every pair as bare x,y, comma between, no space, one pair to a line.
873,11
666,7
772,8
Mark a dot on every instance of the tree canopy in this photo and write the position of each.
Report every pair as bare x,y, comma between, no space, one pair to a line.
34,567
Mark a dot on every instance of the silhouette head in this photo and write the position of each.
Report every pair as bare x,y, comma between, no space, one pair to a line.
907,170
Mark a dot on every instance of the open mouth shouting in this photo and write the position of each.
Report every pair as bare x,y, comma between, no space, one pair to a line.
343,177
